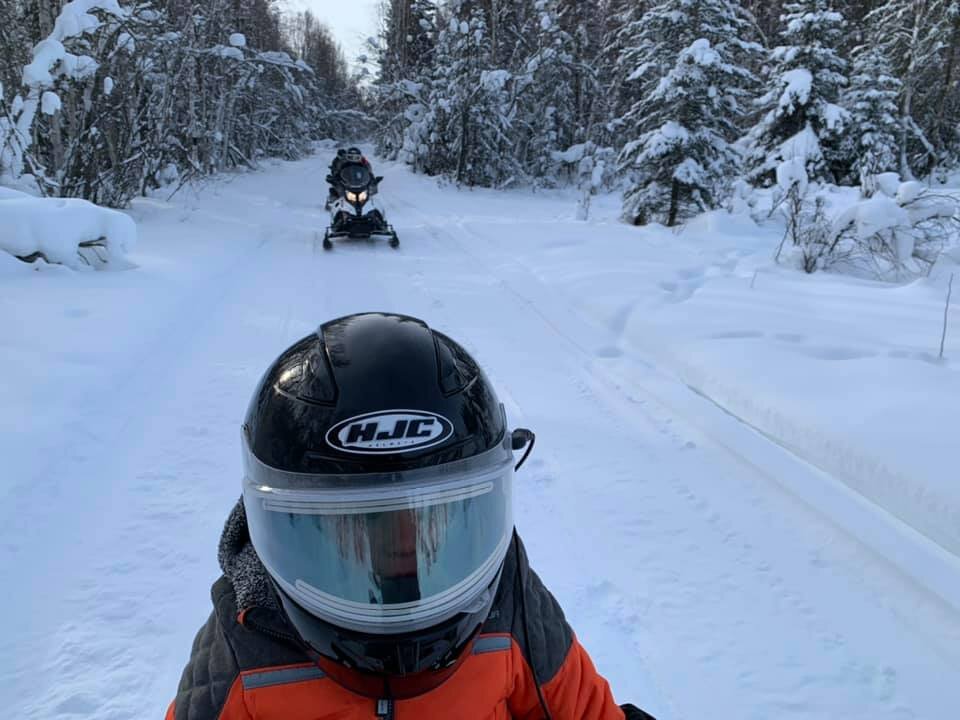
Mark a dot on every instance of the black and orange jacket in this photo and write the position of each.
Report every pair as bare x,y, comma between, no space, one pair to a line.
247,663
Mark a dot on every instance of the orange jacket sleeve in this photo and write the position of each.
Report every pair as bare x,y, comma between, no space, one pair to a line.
576,692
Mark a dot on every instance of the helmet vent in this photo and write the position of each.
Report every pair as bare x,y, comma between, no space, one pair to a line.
318,385
305,374
456,368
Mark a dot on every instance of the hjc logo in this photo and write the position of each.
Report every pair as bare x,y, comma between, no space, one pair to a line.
390,431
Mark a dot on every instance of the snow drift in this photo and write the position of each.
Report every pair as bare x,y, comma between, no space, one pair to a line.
67,231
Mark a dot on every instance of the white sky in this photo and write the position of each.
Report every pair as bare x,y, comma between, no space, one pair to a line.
352,21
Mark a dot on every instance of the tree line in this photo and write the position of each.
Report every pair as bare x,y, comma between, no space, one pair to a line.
107,99
679,102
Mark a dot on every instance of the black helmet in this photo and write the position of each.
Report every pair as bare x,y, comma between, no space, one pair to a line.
377,486
354,155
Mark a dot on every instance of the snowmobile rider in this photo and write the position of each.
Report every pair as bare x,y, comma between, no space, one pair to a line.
371,568
344,157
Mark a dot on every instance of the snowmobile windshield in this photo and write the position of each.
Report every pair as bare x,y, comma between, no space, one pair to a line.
355,176
383,554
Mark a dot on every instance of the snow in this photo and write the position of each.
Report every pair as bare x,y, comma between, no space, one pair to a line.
792,172
701,53
107,85
572,154
126,43
889,183
238,40
875,215
49,54
56,227
76,19
796,91
50,103
742,491
804,146
46,54
231,53
494,80
689,172
909,191
834,116
273,56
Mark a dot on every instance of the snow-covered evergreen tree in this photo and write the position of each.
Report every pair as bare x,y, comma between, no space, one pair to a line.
872,102
920,38
468,118
802,118
690,60
584,23
546,110
628,57
405,61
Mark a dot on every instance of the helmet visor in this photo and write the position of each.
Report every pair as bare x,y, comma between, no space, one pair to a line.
390,553
355,176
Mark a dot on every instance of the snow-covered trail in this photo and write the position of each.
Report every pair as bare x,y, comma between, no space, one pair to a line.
700,585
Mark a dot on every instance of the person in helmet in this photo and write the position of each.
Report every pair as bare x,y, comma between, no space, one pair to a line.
343,157
371,568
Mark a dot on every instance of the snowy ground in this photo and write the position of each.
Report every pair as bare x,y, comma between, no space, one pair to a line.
744,497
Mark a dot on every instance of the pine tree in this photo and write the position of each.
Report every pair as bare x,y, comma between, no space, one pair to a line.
583,22
917,36
626,52
767,15
802,117
405,60
872,102
546,110
689,58
467,122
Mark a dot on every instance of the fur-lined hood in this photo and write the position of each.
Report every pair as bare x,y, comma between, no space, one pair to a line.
241,565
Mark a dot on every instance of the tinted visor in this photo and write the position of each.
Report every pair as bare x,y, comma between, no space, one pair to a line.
390,553
355,176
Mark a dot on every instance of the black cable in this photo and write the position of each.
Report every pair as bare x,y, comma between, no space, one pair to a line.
523,438
526,631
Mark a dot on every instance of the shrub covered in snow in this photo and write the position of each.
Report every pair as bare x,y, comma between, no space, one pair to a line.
897,236
897,233
69,231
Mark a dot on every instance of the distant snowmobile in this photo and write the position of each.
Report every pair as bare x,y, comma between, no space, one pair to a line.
353,213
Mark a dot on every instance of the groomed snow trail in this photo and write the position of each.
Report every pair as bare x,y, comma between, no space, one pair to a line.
700,583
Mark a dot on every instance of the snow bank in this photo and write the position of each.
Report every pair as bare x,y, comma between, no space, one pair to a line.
68,231
841,371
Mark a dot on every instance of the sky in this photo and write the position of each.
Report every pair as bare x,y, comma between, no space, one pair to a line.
352,21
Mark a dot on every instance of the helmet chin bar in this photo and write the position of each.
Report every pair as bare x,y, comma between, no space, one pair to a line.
409,664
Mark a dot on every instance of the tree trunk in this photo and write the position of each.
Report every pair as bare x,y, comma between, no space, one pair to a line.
674,203
943,122
462,155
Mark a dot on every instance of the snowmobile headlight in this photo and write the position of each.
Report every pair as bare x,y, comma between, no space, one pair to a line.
362,197
351,196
